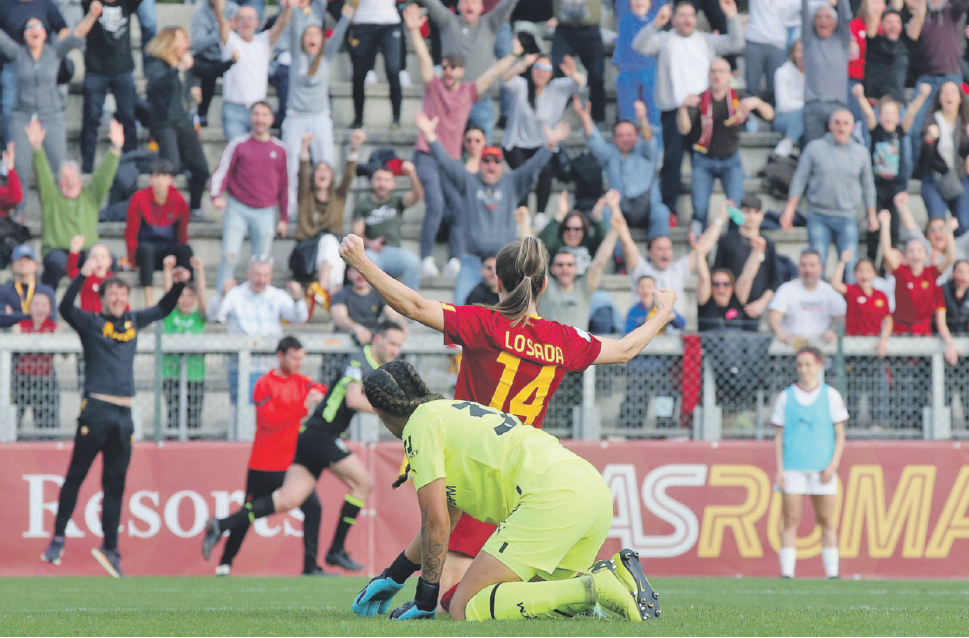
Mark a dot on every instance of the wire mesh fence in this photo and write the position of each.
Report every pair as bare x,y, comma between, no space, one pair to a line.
711,385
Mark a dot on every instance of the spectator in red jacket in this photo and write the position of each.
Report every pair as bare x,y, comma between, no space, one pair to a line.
34,378
157,227
10,192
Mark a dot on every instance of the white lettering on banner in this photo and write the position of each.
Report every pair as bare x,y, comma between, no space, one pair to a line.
92,515
200,513
627,525
226,502
265,528
140,511
288,528
37,506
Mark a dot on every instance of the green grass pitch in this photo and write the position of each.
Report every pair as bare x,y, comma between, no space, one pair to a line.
321,607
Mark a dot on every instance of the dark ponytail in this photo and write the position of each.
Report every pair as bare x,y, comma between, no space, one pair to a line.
521,267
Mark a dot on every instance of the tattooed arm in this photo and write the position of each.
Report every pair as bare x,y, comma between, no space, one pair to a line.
435,530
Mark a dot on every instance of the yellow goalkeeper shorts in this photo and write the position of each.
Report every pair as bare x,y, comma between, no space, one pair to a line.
559,525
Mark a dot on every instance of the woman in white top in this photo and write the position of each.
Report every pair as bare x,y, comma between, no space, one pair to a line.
810,417
789,100
536,100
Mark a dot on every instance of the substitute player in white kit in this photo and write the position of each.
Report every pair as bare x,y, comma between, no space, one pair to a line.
810,417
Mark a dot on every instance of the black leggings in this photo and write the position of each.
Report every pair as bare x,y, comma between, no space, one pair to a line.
106,428
543,186
364,40
259,484
180,144
150,257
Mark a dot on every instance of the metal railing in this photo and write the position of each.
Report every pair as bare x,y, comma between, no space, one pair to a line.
708,386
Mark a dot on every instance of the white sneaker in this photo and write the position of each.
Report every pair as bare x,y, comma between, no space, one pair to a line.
371,77
405,79
784,148
452,267
223,570
429,268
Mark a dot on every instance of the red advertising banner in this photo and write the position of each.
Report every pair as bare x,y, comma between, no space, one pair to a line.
690,508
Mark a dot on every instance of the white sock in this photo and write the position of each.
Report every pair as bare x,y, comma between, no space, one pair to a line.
788,557
829,558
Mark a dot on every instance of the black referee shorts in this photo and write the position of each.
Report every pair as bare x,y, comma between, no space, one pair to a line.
317,450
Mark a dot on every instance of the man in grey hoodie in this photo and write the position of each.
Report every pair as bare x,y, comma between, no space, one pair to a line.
489,197
835,171
826,40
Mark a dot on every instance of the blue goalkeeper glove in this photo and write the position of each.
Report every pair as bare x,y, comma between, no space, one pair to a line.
423,605
375,598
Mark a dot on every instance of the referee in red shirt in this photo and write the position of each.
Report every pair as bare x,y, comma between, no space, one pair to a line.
283,397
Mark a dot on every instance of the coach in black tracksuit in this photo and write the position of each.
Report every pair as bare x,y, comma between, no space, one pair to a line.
108,341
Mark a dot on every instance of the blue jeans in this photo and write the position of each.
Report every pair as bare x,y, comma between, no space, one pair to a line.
936,82
148,19
441,200
399,263
468,278
936,206
638,85
483,114
261,224
729,171
843,231
790,124
235,120
8,82
96,87
502,48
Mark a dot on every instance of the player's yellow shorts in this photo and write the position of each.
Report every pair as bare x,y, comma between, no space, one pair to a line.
558,527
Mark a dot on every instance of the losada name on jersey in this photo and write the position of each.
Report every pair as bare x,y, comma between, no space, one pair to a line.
525,346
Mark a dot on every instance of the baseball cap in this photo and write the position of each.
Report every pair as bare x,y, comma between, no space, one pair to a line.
23,250
492,151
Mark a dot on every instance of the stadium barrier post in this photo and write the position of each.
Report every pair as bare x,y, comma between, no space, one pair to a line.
708,426
183,397
8,412
940,425
245,427
585,417
158,384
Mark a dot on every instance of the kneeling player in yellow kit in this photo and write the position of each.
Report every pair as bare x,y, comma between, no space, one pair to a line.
552,508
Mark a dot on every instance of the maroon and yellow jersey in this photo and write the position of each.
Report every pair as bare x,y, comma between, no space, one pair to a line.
514,368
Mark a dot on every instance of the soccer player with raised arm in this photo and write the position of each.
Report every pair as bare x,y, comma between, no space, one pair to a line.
512,359
552,508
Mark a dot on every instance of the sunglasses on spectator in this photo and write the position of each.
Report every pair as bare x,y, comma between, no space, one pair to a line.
574,228
35,25
543,67
721,284
261,259
491,160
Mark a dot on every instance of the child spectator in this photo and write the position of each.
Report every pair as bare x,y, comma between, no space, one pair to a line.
34,378
157,227
15,295
379,218
789,101
646,308
637,72
187,318
101,258
890,149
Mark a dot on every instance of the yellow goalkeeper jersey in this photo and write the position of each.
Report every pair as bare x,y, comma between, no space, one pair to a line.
487,458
